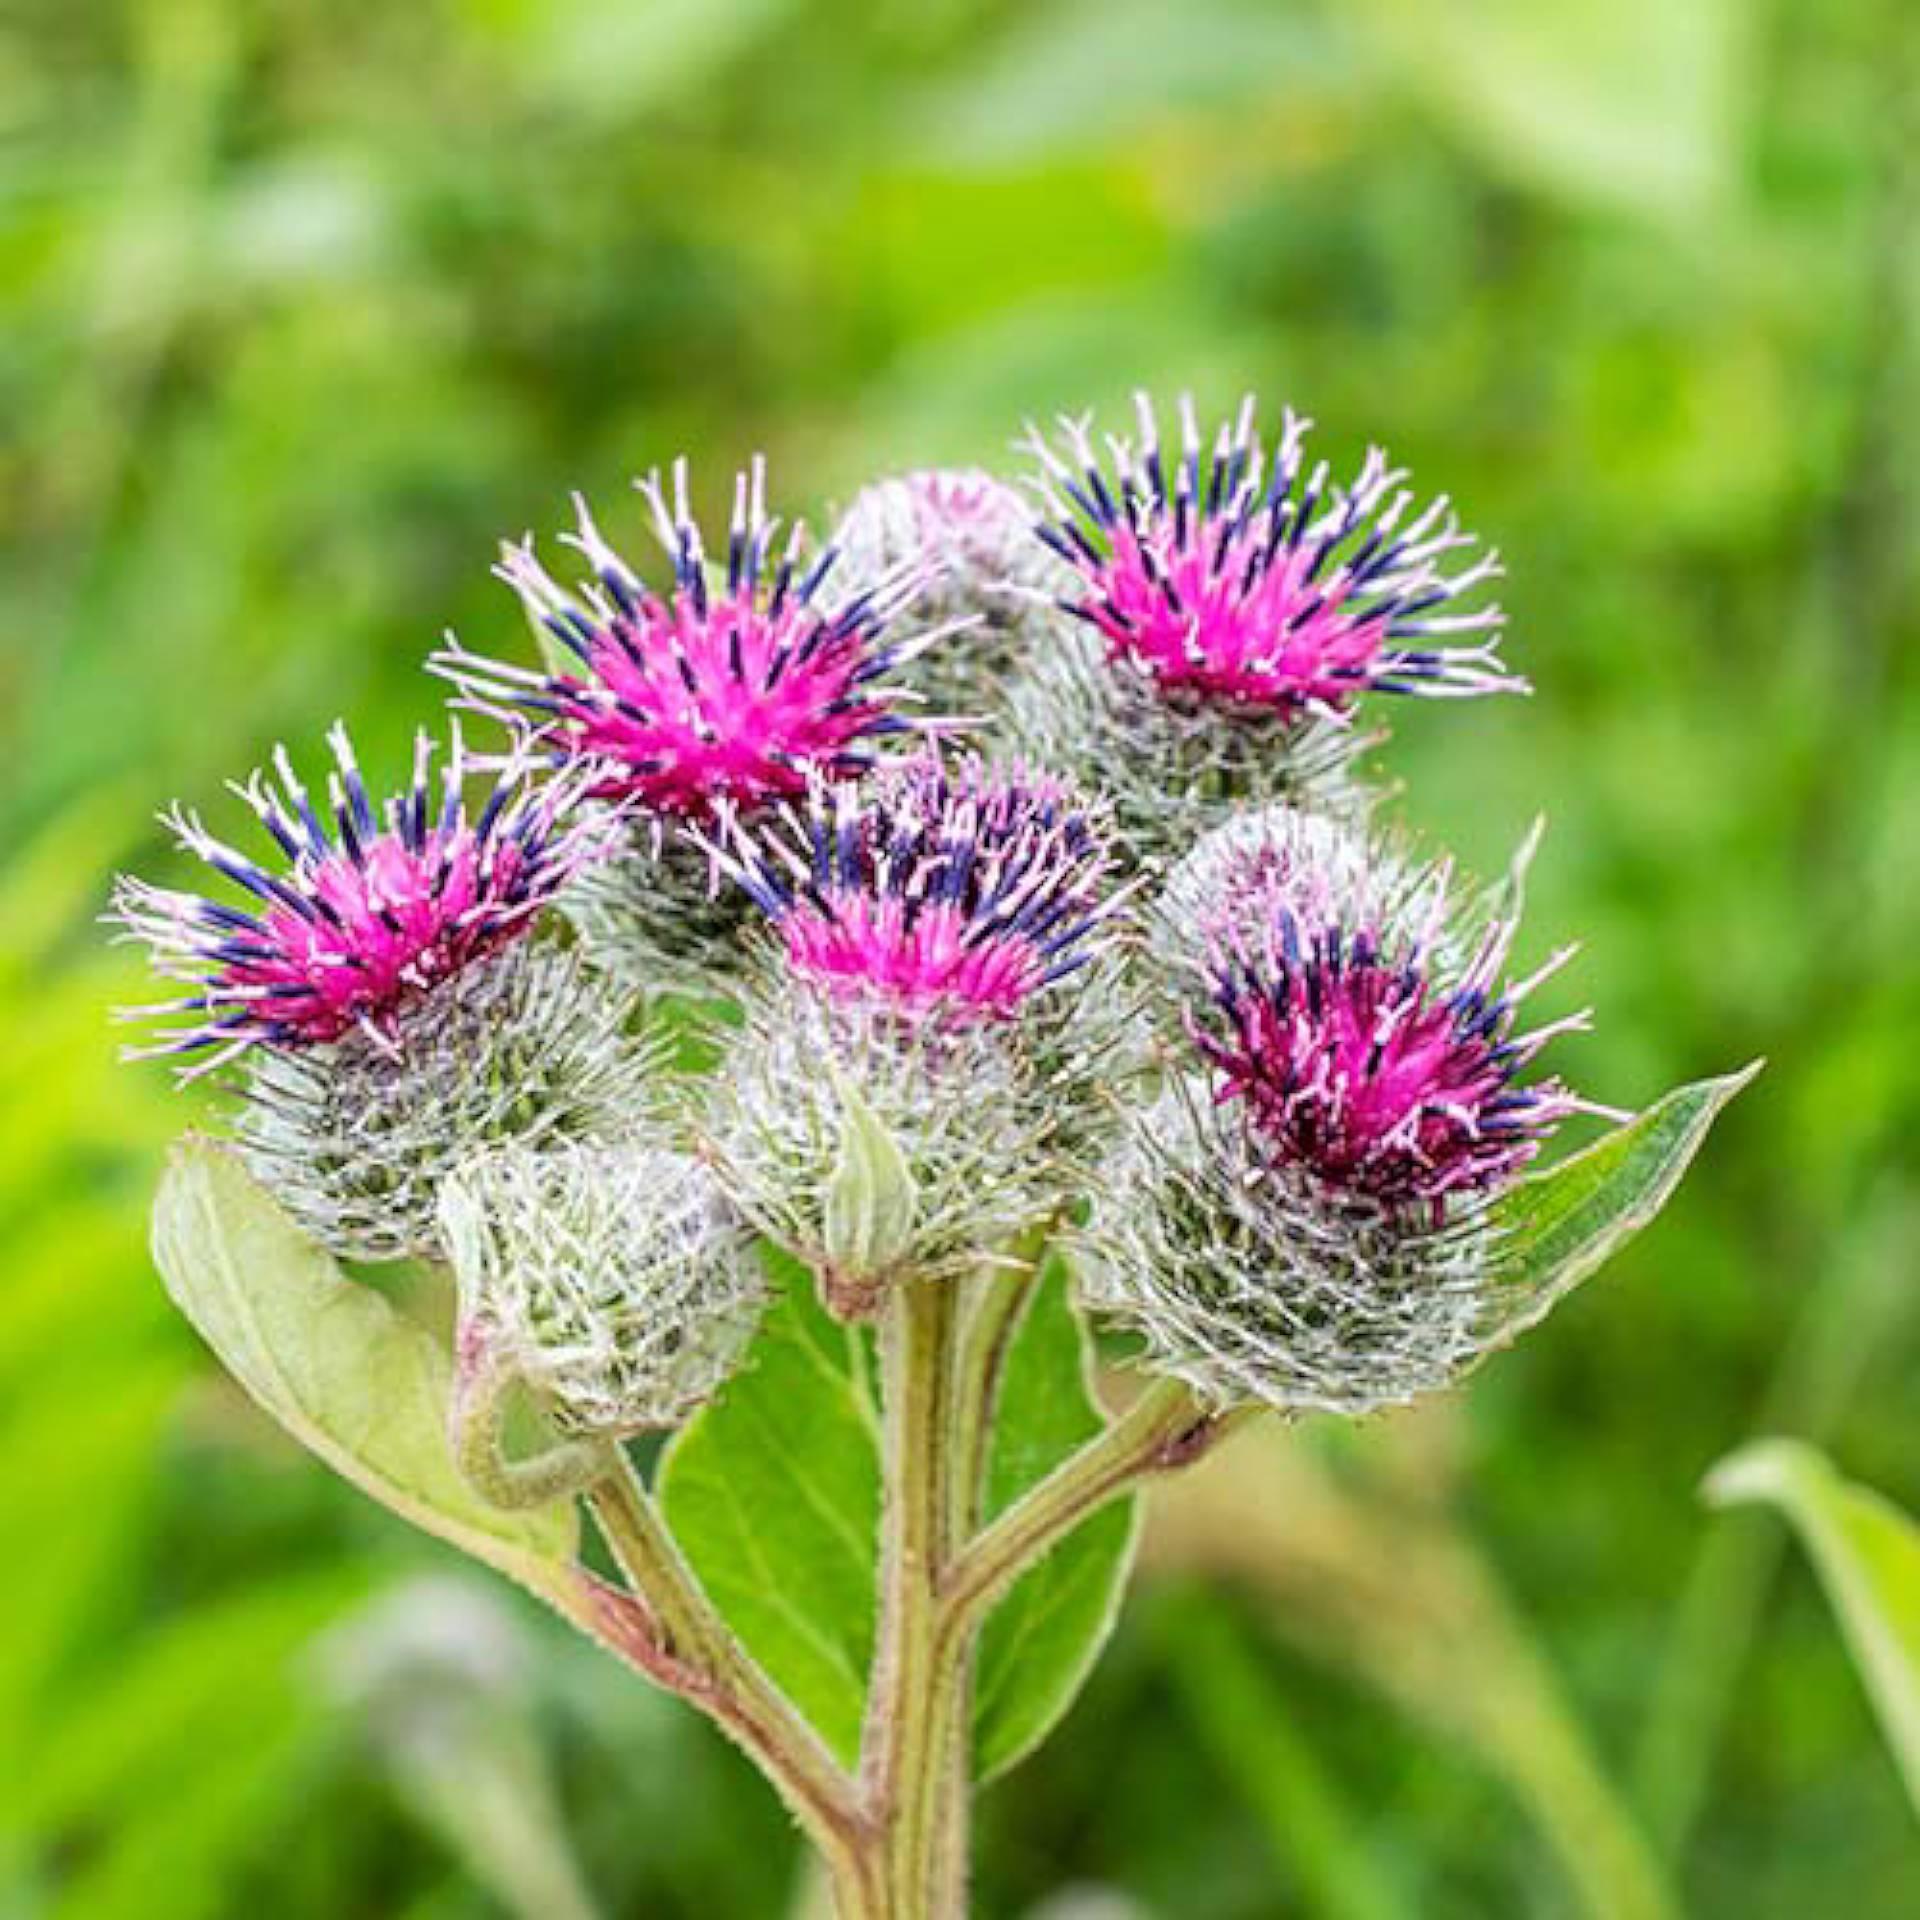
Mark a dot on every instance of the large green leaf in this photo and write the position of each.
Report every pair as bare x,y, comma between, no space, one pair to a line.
1045,1636
1867,1553
1556,1228
774,1495
349,1377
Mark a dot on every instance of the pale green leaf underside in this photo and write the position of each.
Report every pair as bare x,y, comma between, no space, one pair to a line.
1867,1553
1556,1228
350,1378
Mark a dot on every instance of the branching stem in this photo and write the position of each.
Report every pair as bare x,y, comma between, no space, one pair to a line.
1167,1427
668,1627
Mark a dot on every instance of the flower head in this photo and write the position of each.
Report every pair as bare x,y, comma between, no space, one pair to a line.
1308,1215
925,1062
989,582
366,912
956,887
1364,1046
1246,579
718,694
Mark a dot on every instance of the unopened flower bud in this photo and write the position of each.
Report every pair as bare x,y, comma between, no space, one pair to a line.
614,1283
989,583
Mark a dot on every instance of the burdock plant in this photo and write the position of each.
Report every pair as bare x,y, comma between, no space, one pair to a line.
1070,1092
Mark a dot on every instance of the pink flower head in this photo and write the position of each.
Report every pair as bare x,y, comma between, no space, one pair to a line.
967,519
963,889
1365,1047
367,913
1237,579
714,696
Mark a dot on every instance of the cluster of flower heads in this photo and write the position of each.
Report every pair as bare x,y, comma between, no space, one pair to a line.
614,1281
737,779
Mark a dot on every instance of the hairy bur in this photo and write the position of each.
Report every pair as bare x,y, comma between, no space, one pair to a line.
613,1281
1302,1216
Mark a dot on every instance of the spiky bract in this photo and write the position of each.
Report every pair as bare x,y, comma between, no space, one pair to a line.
615,1282
1169,765
990,1126
656,916
1247,1279
354,1136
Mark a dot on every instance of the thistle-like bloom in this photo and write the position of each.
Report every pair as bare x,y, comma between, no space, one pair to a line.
716,695
1249,580
989,583
956,888
1307,1216
1361,1050
922,1068
367,911
392,1012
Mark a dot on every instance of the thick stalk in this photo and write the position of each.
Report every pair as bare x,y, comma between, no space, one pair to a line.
913,1777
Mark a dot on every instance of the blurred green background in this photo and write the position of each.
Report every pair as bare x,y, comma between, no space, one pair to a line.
309,301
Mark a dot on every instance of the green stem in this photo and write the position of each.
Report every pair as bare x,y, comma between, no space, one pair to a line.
669,1628
913,1775
1166,1427
997,1303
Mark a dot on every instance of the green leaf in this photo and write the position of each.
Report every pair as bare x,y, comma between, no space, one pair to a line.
330,1359
773,1493
1867,1553
1556,1228
1043,1639
774,1496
